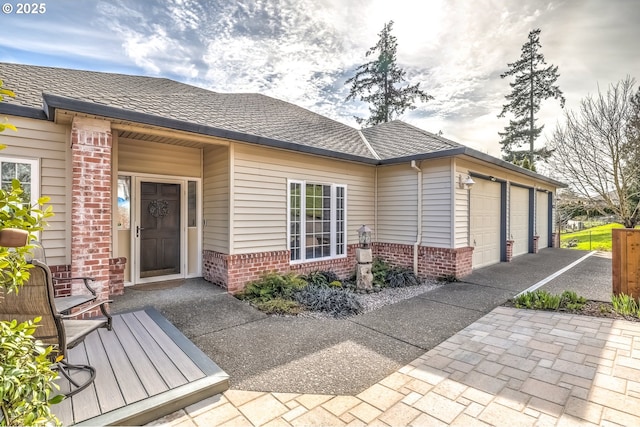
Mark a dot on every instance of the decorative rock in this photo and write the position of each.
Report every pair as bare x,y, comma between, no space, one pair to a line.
364,277
364,256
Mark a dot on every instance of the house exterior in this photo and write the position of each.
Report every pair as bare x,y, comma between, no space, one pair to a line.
152,179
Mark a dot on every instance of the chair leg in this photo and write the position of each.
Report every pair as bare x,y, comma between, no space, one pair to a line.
106,314
65,369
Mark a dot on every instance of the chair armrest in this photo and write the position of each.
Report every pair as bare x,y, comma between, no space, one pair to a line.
85,280
65,304
86,308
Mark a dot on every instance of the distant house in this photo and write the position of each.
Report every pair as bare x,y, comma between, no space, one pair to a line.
152,179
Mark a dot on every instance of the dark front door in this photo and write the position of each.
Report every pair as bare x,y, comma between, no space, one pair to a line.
159,229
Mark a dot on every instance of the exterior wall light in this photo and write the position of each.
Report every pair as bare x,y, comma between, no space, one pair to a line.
364,236
466,183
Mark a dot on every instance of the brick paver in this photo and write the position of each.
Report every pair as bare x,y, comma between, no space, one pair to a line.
511,367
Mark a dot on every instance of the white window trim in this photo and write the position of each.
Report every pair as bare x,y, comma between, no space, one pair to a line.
35,174
303,221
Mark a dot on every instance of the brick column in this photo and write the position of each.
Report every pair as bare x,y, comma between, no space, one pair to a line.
509,250
535,244
91,203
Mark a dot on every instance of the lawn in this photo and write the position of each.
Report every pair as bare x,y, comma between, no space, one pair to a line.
596,238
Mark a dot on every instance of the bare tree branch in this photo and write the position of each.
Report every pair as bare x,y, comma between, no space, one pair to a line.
597,153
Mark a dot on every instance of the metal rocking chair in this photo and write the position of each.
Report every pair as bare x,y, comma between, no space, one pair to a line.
64,331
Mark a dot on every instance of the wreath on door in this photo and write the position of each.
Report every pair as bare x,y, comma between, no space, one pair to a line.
158,208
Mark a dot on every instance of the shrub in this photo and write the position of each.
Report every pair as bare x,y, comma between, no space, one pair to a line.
336,301
571,301
273,285
401,277
543,300
380,269
538,299
322,278
26,377
279,306
625,305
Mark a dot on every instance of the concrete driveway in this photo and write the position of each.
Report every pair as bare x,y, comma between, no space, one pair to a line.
345,356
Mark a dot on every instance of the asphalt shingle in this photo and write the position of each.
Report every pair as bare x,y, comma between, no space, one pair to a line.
399,139
247,113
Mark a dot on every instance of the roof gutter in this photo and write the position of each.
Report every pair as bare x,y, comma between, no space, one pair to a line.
54,102
467,151
22,111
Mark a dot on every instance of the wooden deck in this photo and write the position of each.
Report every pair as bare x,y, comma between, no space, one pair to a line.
146,369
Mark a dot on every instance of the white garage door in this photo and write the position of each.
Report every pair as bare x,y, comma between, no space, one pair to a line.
519,219
542,219
485,222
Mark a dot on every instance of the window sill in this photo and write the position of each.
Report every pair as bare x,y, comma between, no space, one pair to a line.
313,260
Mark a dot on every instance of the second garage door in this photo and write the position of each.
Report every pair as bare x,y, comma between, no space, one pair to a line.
519,219
542,219
485,205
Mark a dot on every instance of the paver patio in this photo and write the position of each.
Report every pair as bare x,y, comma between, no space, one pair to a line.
511,367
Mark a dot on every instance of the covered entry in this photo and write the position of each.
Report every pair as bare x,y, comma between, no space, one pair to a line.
159,227
486,222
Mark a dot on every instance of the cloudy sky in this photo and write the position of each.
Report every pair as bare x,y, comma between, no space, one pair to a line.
302,51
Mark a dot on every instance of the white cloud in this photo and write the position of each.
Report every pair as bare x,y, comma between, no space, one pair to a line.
302,51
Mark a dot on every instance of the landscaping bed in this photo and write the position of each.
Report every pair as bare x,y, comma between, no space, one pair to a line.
322,294
621,307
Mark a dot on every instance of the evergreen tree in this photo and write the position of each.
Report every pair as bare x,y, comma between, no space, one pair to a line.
378,82
533,83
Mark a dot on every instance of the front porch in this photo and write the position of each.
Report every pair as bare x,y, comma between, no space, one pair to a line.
146,368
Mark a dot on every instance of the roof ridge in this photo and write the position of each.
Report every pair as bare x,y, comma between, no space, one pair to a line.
431,134
366,142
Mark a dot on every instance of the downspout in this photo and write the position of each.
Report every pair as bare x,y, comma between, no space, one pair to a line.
416,245
375,203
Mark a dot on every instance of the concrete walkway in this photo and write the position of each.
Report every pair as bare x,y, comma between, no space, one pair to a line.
510,368
448,356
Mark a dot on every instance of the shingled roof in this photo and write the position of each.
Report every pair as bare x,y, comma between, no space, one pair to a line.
247,113
248,117
399,139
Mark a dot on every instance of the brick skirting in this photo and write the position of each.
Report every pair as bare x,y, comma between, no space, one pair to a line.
62,287
510,244
233,272
432,262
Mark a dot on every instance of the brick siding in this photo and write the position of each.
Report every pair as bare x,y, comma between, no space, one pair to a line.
91,203
116,275
509,250
62,287
233,272
432,262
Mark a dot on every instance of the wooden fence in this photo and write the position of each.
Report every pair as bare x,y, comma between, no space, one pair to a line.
626,261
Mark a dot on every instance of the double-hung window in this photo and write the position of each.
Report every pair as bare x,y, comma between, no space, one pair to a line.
317,221
24,170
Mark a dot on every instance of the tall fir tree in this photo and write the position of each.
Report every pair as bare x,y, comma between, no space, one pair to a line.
534,82
379,82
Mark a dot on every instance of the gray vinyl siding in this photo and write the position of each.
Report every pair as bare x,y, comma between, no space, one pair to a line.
152,157
461,206
259,194
48,143
397,204
437,194
216,198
